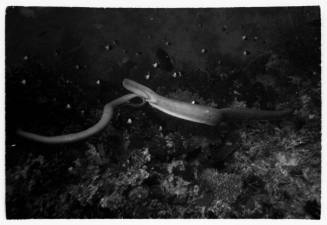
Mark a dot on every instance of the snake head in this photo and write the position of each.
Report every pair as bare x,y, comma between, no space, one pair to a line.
142,91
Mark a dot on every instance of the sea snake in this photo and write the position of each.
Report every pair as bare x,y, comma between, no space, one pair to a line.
187,111
74,137
199,113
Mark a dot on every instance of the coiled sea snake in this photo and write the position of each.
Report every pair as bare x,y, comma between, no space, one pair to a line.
187,111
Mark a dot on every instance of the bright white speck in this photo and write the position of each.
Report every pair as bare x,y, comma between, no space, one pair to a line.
25,57
160,128
311,116
23,82
180,74
245,52
77,67
147,76
244,37
193,102
203,50
98,82
155,65
68,106
107,47
129,121
174,75
13,145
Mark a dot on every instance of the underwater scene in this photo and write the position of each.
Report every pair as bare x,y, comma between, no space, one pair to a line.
163,112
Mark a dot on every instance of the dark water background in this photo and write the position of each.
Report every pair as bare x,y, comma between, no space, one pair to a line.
62,39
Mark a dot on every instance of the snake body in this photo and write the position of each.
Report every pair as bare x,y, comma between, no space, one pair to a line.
74,137
187,111
199,113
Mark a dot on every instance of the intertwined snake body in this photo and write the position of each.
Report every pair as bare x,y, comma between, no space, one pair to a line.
74,137
187,111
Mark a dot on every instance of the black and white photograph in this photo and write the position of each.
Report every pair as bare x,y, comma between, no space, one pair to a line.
162,112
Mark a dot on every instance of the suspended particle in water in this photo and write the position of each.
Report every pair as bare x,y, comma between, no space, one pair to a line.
13,145
82,112
193,102
160,128
180,74
155,65
77,67
167,43
25,57
174,75
108,47
255,38
244,37
98,82
203,50
129,121
23,82
68,106
246,52
147,76
219,62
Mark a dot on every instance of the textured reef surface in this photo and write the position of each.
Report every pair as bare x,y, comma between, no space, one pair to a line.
64,64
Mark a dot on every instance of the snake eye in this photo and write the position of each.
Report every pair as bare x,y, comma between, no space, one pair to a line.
137,101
